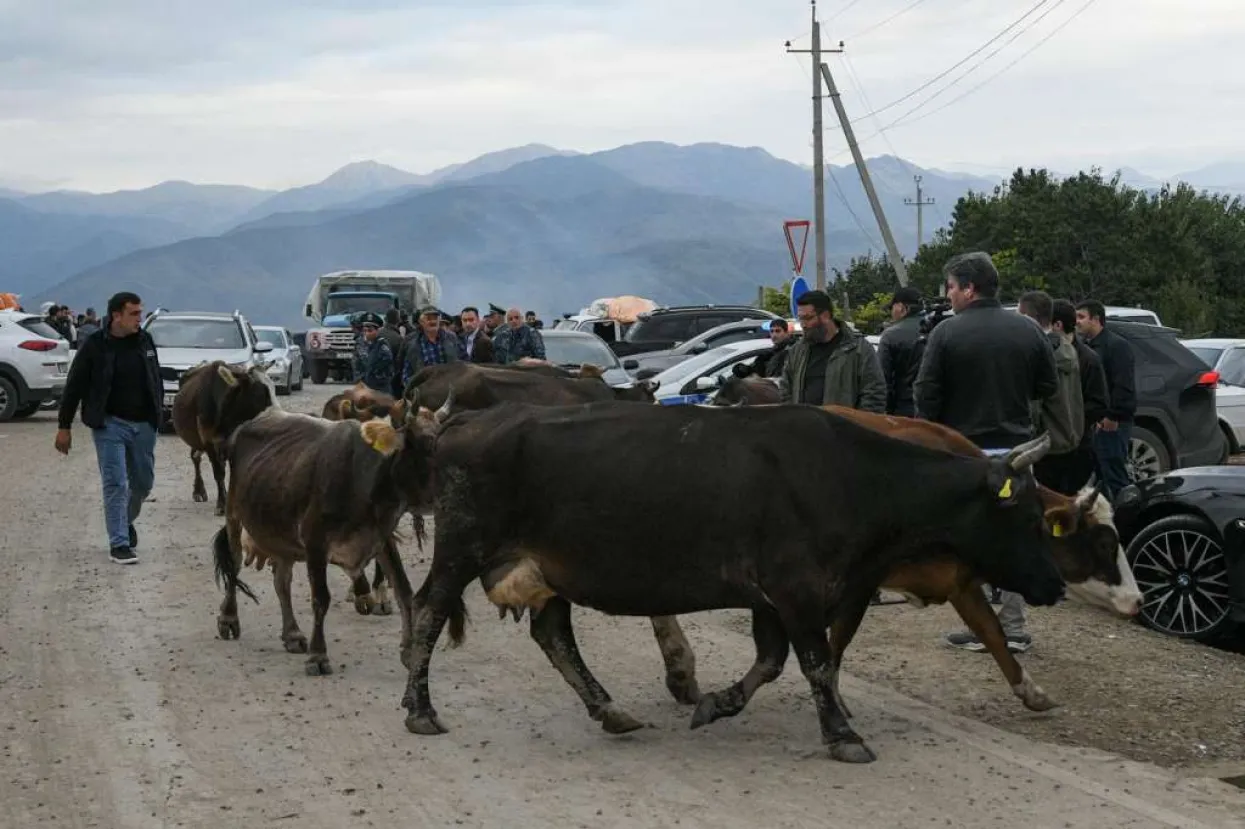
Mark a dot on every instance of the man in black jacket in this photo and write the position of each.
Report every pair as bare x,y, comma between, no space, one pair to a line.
1081,463
1115,431
116,379
981,370
900,351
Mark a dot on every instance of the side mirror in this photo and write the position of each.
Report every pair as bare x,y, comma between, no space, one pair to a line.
700,348
263,348
707,383
631,365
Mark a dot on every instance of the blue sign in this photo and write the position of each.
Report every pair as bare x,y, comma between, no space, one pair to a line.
798,286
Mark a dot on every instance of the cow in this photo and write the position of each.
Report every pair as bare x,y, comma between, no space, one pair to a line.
750,391
215,399
479,386
745,536
309,489
358,403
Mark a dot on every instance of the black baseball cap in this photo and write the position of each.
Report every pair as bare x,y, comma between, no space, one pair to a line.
906,296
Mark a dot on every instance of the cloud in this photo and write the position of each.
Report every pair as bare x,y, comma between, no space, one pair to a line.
278,93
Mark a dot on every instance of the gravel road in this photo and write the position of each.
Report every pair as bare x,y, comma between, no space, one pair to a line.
122,708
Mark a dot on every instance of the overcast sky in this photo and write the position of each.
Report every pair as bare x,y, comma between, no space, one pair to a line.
275,93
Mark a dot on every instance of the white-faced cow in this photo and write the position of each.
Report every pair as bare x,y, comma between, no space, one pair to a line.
1084,544
215,399
308,489
798,551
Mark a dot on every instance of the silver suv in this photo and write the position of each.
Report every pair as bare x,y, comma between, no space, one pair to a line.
185,339
34,363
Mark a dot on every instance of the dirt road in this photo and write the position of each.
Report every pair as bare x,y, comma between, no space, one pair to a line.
121,708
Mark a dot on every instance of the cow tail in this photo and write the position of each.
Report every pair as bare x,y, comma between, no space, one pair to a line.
226,566
458,621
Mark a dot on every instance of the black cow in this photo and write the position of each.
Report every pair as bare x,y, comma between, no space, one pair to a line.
215,399
797,550
309,489
479,386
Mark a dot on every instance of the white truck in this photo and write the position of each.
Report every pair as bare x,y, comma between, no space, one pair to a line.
336,297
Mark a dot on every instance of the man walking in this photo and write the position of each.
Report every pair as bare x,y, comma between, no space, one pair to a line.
474,345
831,364
1094,395
899,351
429,345
980,371
1113,433
1063,413
116,379
517,340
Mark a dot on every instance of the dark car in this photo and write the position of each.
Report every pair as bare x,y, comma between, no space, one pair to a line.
1184,536
1176,424
664,328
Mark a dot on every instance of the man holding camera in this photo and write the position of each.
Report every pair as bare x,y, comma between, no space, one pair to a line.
899,351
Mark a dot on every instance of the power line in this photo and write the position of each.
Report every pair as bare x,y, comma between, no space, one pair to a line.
840,12
886,20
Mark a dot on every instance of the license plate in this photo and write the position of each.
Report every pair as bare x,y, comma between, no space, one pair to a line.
168,399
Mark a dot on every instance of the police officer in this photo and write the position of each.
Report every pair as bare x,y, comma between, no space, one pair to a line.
374,360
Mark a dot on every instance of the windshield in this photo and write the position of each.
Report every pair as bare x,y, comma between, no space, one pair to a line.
565,323
189,333
274,336
1144,319
1232,367
1207,355
578,351
337,304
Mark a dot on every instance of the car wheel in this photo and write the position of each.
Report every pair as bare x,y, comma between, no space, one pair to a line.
8,399
298,385
26,411
1182,572
1147,455
284,388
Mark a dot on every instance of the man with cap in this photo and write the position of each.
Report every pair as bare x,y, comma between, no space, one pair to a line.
517,340
492,322
899,351
429,344
375,359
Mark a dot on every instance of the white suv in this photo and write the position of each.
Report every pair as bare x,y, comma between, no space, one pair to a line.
34,362
185,339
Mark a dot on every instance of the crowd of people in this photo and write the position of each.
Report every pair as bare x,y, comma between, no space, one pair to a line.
388,352
997,377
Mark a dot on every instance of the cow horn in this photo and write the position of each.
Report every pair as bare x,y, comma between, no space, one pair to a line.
1028,453
442,413
1089,494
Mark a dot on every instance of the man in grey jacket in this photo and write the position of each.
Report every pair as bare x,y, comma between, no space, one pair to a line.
1063,413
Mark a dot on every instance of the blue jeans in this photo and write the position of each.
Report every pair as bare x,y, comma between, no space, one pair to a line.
1111,451
126,452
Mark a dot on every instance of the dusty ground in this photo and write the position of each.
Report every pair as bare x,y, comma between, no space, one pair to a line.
122,708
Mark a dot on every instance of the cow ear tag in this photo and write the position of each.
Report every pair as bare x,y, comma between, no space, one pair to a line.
227,375
380,436
1006,490
1056,529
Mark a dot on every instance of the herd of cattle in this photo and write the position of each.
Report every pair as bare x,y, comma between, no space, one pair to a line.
525,470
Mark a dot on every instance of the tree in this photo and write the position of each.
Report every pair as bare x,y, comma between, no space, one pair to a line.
777,300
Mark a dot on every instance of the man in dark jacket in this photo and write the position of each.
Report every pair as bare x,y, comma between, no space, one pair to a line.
831,364
517,340
899,351
392,333
1094,396
771,363
428,345
377,368
116,379
1113,433
981,370
1062,415
474,345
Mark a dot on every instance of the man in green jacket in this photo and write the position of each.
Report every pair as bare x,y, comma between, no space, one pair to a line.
1063,413
831,364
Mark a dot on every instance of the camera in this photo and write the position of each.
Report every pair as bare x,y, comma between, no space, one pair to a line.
933,315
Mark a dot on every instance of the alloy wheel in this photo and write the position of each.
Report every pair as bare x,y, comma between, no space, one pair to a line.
1143,461
1183,576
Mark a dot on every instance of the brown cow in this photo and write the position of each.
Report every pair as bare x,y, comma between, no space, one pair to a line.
308,489
359,403
215,399
1086,550
482,386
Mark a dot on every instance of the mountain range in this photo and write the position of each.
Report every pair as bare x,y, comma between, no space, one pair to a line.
535,226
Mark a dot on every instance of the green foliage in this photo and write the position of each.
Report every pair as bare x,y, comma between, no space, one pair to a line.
777,300
871,316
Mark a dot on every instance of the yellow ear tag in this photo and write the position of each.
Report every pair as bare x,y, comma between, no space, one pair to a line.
1056,530
1006,490
380,436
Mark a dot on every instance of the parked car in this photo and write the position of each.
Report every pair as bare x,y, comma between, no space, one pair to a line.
730,332
1184,536
1213,350
611,331
1226,356
574,349
1120,313
697,379
34,364
664,328
186,338
286,370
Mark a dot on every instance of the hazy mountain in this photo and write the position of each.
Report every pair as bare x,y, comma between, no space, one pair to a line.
197,208
1221,176
350,182
42,249
493,162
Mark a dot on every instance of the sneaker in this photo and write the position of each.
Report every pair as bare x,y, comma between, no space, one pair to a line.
133,537
123,555
1019,642
965,641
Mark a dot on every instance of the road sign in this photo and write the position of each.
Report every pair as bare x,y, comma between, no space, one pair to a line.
797,259
798,286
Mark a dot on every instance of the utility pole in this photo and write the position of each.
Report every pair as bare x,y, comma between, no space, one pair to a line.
920,210
891,248
819,167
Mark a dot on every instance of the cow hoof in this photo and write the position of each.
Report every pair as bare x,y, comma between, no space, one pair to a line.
706,712
319,666
296,643
384,609
363,605
229,628
427,724
684,693
200,497
1032,695
846,752
617,721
